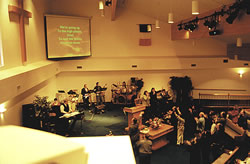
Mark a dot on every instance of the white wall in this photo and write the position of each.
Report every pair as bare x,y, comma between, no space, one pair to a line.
34,33
209,79
115,49
20,82
13,115
120,38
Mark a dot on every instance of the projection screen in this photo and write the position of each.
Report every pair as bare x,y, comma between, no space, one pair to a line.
67,36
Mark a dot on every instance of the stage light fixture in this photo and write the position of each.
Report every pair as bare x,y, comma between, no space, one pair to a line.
186,27
213,20
180,27
232,16
192,27
213,24
108,3
246,5
206,22
214,32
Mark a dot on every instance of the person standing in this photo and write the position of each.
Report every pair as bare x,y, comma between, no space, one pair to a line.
145,99
190,126
98,90
153,101
201,122
180,126
145,149
85,96
242,121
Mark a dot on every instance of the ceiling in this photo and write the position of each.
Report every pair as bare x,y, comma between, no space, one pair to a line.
181,9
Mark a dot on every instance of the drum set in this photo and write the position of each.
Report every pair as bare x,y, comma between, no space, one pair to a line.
122,94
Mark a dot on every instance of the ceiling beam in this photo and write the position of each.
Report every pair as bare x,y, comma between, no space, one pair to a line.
241,25
113,9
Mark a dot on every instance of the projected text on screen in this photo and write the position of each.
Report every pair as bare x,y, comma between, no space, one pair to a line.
67,36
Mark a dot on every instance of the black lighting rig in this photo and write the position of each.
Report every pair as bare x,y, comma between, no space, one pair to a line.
213,20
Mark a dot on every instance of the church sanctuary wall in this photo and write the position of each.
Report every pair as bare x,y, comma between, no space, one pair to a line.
117,56
120,38
215,80
13,115
34,33
21,81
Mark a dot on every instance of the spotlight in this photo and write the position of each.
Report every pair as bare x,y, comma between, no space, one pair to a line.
192,27
180,27
246,4
212,24
232,16
206,23
214,32
108,3
186,27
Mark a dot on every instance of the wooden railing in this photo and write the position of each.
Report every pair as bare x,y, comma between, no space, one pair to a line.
224,100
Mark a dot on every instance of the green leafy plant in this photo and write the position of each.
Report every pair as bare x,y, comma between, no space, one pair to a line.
182,88
42,105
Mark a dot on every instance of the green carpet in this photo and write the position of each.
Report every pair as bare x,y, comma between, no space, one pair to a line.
113,119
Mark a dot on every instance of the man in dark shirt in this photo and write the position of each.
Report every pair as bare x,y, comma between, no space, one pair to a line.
242,121
85,96
98,90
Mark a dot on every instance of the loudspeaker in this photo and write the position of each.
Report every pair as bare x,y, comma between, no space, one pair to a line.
145,27
29,118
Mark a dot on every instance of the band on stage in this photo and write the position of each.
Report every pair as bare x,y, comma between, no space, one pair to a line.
70,106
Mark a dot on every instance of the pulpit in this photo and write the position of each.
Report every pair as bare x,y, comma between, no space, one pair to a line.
134,112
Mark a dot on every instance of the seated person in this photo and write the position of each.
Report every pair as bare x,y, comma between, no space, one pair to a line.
233,115
134,130
63,123
55,102
145,149
64,107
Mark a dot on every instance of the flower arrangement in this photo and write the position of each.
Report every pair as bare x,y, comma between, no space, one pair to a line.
154,123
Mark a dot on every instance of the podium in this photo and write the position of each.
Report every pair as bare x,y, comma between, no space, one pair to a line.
134,112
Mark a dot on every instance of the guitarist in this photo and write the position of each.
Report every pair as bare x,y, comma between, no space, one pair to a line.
85,95
99,96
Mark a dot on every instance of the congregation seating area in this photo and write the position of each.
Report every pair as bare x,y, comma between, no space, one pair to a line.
234,133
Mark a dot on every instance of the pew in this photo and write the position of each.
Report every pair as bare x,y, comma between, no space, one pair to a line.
234,131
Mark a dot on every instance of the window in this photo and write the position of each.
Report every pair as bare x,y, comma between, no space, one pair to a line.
1,52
